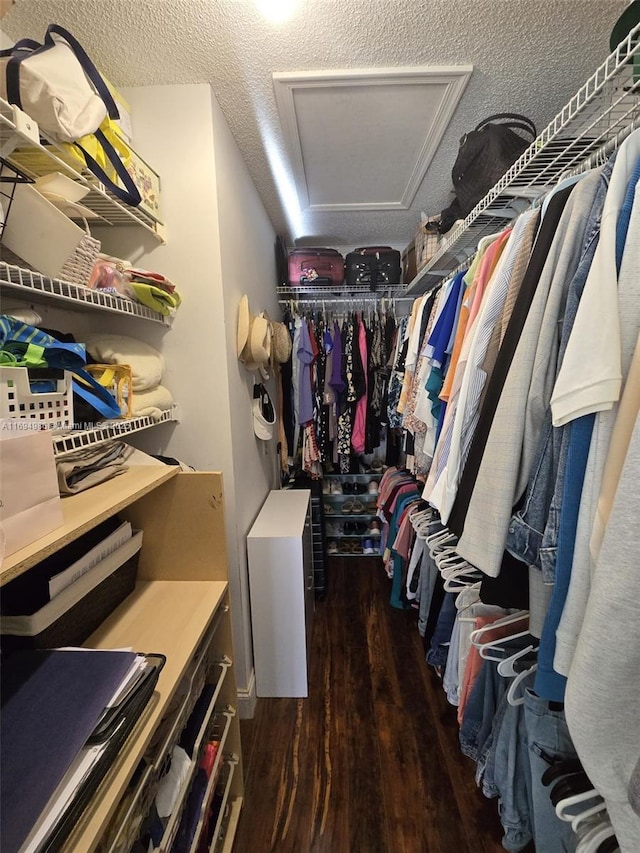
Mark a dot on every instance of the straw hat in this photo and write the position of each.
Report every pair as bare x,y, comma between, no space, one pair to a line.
281,343
244,321
256,351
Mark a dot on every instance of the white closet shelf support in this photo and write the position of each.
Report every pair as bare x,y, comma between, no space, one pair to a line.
110,430
30,286
603,112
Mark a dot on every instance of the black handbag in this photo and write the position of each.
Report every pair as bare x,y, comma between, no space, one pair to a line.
484,156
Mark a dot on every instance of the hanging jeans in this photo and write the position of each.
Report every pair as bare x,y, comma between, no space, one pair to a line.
549,741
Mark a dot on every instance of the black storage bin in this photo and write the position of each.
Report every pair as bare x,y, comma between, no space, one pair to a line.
70,618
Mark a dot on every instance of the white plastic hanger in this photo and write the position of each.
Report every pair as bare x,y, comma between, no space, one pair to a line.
449,558
586,814
506,666
569,802
458,583
565,808
507,619
485,649
437,541
512,697
593,839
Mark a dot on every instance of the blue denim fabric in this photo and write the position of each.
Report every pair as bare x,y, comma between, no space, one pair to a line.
548,738
512,776
437,654
480,709
450,680
428,577
622,225
533,530
550,684
486,763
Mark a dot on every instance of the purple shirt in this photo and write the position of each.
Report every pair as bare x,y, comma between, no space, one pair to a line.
306,356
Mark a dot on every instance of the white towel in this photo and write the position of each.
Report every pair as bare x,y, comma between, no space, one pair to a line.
147,364
153,402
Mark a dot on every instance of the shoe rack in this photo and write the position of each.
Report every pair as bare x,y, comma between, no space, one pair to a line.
352,527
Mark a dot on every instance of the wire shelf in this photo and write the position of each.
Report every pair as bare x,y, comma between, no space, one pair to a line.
30,285
108,431
349,294
591,125
20,144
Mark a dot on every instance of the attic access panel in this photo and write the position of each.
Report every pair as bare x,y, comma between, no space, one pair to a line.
363,139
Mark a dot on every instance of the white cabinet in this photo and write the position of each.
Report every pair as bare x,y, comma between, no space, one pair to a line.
281,590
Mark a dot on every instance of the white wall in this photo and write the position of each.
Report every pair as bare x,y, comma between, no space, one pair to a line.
220,245
248,266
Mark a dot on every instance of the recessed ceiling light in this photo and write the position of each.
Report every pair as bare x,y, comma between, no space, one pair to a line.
277,11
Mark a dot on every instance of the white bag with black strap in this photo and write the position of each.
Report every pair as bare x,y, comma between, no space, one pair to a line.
59,87
56,84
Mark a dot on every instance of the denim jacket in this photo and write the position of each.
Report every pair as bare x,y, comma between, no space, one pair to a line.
533,530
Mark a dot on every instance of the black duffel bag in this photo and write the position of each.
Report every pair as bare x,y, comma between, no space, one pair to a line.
484,156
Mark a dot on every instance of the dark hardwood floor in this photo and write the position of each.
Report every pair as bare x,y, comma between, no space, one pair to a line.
370,762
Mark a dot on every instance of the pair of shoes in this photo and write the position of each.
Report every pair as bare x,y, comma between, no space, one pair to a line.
334,529
372,488
335,487
376,465
328,509
359,488
351,546
354,528
375,528
332,547
326,487
355,507
367,547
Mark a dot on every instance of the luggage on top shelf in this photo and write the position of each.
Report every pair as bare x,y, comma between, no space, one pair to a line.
315,266
373,265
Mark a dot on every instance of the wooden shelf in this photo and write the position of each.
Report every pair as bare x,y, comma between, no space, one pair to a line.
165,617
85,511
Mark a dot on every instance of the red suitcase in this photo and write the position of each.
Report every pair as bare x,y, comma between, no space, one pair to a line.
322,267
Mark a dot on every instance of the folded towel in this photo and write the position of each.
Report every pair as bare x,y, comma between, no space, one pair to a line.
155,297
147,364
152,403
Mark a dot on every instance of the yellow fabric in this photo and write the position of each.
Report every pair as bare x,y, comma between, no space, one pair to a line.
408,374
93,147
155,297
118,381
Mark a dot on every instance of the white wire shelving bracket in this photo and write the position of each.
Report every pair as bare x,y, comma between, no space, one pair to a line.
591,125
21,146
31,286
109,430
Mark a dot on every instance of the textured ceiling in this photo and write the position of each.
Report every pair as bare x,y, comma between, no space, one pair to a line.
528,56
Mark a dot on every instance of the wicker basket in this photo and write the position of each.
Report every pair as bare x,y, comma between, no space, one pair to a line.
427,241
79,265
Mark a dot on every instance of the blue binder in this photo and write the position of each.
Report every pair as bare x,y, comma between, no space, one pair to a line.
51,702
